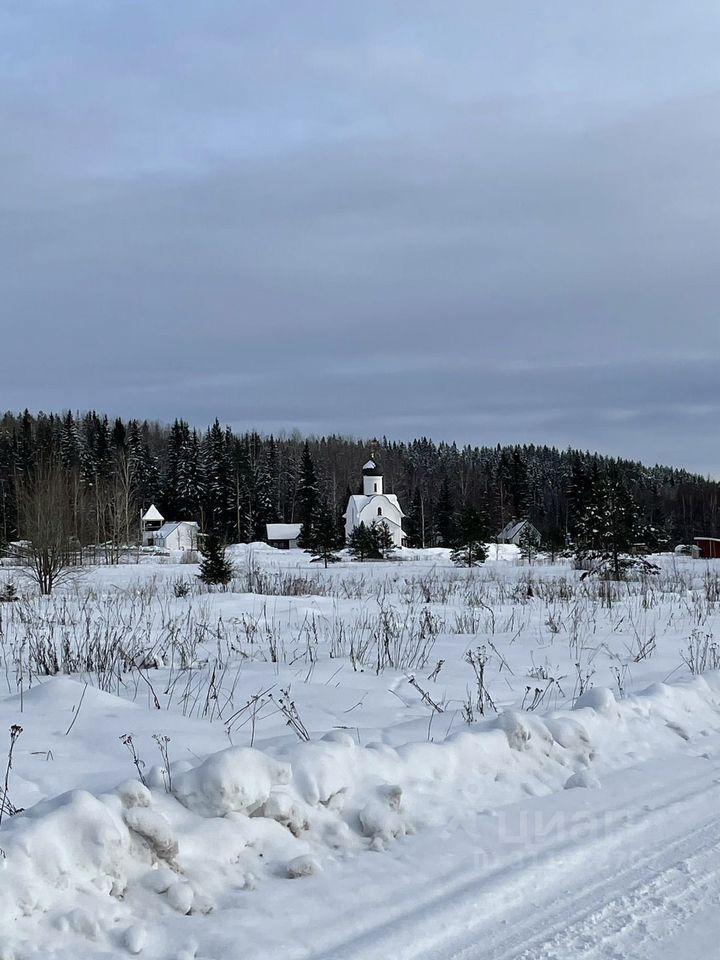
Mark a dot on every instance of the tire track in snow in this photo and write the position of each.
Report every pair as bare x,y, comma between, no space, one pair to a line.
628,911
501,913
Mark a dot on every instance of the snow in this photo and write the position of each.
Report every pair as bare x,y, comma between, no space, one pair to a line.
236,779
298,750
283,531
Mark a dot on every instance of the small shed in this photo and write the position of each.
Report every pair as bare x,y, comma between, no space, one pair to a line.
709,547
284,536
516,531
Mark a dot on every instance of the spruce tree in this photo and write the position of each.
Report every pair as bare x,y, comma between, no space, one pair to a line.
258,489
556,541
69,443
118,436
144,466
216,481
382,541
178,437
519,487
610,525
469,549
307,497
326,539
371,543
361,543
414,523
445,516
215,568
528,543
188,483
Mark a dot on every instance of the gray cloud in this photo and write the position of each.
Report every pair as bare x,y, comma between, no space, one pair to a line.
482,222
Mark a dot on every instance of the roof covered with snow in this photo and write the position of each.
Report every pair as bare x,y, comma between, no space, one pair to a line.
153,513
371,469
515,528
360,501
167,528
283,531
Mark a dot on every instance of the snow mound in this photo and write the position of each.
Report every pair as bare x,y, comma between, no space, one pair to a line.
236,779
106,868
599,699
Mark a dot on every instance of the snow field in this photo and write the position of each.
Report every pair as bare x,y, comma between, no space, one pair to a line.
102,864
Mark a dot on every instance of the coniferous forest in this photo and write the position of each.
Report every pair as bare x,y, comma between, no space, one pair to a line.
234,484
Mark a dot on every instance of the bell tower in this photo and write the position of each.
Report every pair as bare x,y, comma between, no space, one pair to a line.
372,479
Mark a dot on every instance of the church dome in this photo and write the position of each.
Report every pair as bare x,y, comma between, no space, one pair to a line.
372,469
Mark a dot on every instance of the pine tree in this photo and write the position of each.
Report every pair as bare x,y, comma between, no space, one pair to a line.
215,568
25,452
414,523
69,443
383,544
216,484
256,488
144,466
444,518
371,543
179,436
555,540
583,478
118,436
519,487
326,539
272,472
610,525
188,482
469,549
8,518
528,543
361,543
307,497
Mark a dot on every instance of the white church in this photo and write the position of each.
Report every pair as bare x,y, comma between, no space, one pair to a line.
375,505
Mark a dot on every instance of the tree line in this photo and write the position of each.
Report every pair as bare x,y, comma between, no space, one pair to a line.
233,484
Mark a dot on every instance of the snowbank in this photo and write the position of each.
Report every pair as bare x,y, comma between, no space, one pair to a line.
103,868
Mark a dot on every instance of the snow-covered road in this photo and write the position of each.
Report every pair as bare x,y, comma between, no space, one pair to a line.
629,871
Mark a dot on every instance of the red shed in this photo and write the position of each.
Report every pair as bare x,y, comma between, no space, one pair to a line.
709,547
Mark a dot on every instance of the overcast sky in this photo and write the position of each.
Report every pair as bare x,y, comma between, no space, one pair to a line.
483,222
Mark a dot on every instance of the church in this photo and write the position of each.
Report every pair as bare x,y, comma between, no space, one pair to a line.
375,505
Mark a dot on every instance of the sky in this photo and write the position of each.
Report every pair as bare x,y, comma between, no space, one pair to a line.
488,222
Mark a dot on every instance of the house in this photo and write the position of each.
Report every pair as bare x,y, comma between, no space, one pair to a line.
374,505
170,535
709,547
284,536
517,531
178,535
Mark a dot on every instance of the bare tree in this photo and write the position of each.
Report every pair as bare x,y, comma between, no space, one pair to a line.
119,509
49,549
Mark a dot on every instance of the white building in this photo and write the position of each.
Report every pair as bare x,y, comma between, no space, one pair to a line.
150,523
178,535
172,535
375,505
